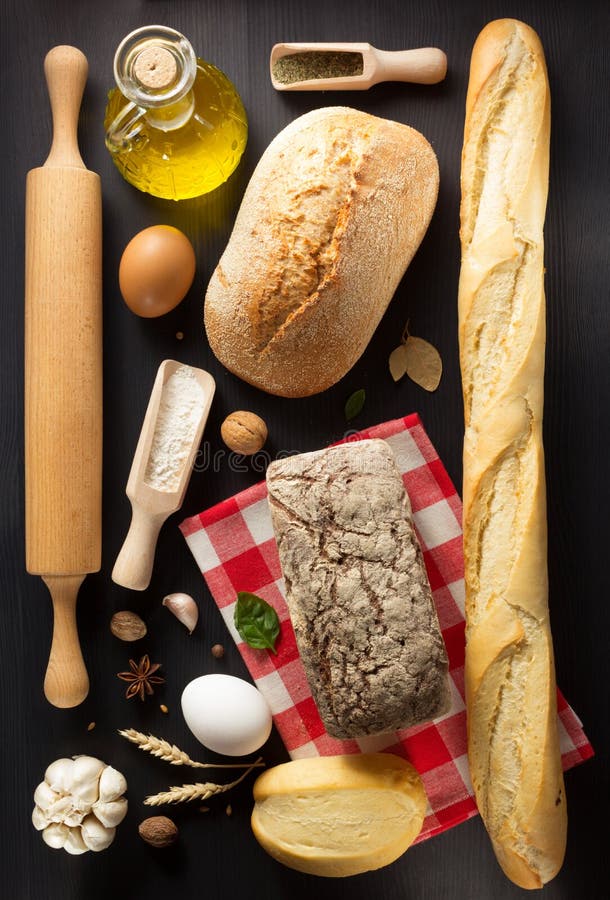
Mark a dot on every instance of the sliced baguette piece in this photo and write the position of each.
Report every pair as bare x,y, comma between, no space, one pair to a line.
513,744
339,815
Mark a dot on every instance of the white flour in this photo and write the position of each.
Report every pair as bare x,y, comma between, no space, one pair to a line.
182,401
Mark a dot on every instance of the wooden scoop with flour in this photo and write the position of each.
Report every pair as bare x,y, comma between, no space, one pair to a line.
162,465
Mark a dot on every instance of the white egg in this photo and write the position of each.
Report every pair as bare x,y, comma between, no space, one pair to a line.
227,714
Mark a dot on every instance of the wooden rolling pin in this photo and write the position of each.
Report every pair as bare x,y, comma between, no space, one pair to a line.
63,374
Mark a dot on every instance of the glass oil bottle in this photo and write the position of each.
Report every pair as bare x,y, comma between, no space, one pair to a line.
175,125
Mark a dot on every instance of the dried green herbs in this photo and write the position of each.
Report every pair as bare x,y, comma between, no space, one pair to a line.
314,64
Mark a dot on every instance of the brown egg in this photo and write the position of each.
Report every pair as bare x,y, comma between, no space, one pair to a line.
157,269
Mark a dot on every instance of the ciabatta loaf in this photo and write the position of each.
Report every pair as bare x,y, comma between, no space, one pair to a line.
513,746
334,212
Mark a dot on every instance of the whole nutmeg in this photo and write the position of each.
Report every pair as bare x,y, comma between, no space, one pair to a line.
158,831
244,432
127,626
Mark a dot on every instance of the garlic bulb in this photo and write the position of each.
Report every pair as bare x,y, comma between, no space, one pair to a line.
79,804
184,608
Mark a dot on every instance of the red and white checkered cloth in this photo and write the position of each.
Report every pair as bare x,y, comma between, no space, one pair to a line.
235,549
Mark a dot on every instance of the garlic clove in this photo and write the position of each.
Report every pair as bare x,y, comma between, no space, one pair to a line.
95,836
80,805
44,796
74,842
74,818
59,775
110,813
112,784
184,608
57,812
39,819
86,796
86,769
85,777
55,835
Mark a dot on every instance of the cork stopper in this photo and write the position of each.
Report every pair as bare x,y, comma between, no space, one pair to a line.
155,68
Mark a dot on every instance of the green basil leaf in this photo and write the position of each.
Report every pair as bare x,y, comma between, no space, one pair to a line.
354,404
256,621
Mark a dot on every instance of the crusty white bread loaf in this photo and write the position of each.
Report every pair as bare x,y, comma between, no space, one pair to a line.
333,214
513,746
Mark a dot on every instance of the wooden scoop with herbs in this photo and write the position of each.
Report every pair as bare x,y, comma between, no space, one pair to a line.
351,67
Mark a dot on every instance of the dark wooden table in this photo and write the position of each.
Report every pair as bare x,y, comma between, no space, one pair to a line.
217,856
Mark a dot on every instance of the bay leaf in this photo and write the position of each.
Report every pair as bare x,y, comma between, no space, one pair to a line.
398,362
423,363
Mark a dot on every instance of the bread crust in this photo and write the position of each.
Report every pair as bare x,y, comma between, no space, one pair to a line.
331,218
513,743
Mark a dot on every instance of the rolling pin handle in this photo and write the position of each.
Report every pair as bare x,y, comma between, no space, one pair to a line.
66,71
66,683
134,564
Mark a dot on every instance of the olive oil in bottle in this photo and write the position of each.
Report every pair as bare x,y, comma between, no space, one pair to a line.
175,125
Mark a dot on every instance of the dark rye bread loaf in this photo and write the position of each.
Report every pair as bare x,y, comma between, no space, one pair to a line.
357,589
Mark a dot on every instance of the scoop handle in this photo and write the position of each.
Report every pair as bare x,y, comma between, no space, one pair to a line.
66,683
426,65
66,71
134,564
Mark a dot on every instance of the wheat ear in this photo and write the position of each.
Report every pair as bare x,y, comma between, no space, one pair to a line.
172,754
199,791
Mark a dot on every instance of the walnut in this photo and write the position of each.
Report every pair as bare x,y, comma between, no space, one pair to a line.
127,626
244,432
158,831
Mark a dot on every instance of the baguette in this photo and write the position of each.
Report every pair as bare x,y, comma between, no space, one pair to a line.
513,744
332,216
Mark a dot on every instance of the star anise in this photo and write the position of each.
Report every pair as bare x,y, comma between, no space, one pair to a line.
141,677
